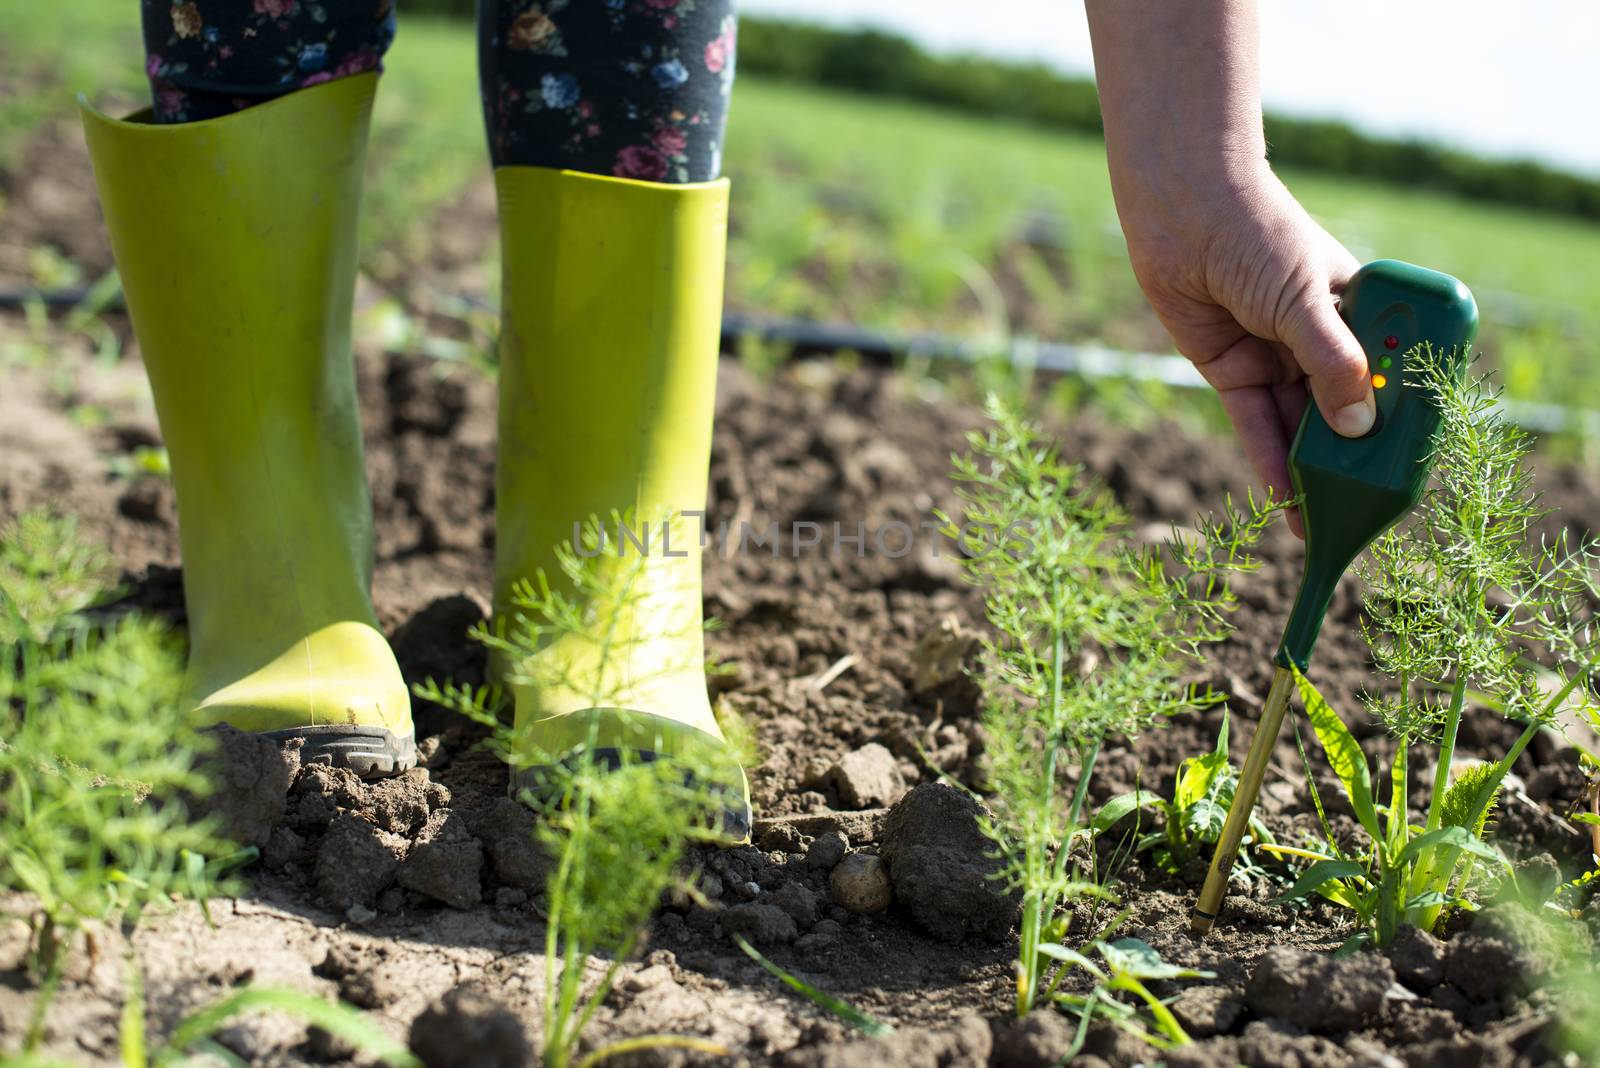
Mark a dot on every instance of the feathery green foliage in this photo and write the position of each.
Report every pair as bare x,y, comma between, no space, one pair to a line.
1093,636
616,829
1464,606
96,752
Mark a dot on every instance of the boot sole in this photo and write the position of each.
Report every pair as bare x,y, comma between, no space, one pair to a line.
370,752
737,818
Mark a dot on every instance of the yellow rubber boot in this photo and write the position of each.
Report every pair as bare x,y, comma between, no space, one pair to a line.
612,290
235,240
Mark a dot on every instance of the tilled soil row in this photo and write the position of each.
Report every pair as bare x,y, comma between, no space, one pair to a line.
418,898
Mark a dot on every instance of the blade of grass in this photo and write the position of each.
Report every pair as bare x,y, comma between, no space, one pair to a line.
845,1011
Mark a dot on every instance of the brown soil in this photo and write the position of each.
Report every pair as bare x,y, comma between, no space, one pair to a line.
393,895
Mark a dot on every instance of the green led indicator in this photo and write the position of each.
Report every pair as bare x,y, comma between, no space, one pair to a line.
1385,362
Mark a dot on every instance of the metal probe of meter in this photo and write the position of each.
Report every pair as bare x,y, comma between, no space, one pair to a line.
1351,490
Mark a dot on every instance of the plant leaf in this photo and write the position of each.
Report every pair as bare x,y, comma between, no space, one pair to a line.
845,1011
1115,810
1137,958
1452,838
1344,755
1314,877
1430,899
338,1019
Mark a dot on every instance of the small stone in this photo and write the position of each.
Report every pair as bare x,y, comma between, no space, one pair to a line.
1319,993
469,1026
943,866
761,924
826,850
356,861
869,777
444,862
860,883
360,915
1418,958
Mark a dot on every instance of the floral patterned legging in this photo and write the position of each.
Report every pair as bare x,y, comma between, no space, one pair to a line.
634,88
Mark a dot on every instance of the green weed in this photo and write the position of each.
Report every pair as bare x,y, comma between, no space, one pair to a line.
1093,634
1189,823
96,752
1125,965
617,829
1464,608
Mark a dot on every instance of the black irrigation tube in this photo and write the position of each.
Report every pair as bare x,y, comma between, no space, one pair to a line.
806,339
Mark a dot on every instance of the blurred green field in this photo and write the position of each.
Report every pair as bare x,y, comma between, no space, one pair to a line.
889,215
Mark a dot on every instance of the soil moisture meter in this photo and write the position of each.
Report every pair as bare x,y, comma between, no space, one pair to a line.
1352,489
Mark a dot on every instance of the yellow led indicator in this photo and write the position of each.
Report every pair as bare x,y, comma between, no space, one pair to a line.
1379,381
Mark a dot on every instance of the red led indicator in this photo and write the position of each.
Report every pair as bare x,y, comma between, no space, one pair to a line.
1391,342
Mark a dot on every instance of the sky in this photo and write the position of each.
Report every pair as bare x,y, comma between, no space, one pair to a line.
1493,76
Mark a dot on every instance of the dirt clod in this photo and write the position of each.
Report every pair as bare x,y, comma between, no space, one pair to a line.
798,901
1270,1044
356,861
1207,1010
249,776
469,1026
860,883
966,1044
942,866
869,777
400,805
1318,993
444,862
1418,958
827,850
506,829
1038,1040
762,924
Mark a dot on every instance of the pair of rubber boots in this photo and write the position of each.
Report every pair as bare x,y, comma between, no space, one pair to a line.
236,243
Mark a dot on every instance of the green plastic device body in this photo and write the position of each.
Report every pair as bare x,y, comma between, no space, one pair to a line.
1353,489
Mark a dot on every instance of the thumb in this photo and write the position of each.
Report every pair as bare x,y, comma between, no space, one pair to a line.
1334,364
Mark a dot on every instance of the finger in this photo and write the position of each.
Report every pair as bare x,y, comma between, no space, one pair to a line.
1254,414
1332,360
1290,395
1290,398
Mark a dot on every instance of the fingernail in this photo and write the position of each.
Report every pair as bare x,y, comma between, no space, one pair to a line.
1353,420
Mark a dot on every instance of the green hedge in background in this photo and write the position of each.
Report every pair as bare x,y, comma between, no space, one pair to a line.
885,64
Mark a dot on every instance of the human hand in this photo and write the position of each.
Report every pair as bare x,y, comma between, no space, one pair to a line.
1240,275
1246,283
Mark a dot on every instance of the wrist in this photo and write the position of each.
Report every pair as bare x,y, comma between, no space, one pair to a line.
1166,189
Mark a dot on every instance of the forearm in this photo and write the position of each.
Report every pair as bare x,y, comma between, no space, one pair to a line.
1180,92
